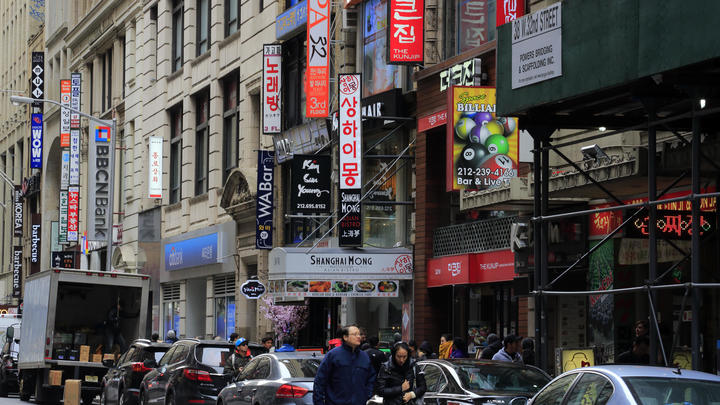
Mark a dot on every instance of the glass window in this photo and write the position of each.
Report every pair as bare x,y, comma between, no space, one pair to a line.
293,88
658,391
224,316
555,392
230,124
500,378
591,389
165,360
262,370
377,76
171,316
127,356
180,354
177,32
202,105
176,154
213,356
232,16
298,368
250,369
434,379
469,24
203,26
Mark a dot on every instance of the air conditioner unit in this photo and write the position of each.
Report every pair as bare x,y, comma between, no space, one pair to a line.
349,19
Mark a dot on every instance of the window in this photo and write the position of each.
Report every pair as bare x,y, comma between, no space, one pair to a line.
165,360
230,124
591,389
250,368
470,23
224,292
107,80
180,354
90,85
203,26
175,154
262,371
293,80
554,393
202,114
377,75
152,43
232,17
434,379
177,33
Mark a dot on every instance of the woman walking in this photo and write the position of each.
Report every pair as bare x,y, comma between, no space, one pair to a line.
398,382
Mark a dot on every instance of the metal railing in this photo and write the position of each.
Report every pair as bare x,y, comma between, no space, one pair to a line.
473,237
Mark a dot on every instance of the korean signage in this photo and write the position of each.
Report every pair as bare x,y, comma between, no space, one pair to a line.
252,289
430,121
73,213
64,169
537,46
65,100
272,74
63,260
290,22
156,163
317,75
38,78
406,35
340,264
310,188
18,212
671,225
63,218
301,139
508,10
191,252
466,73
264,204
482,148
17,271
475,24
350,142
471,268
75,80
100,180
36,141
74,164
35,243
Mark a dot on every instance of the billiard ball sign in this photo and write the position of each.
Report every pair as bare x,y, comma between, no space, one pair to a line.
482,148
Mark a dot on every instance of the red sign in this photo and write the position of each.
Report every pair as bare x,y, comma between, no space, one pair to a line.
350,140
472,25
317,75
474,268
73,213
428,122
508,10
406,29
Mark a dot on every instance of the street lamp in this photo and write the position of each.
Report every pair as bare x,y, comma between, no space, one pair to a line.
17,100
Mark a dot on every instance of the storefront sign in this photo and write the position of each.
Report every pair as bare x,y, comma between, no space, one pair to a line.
671,225
340,264
406,31
317,75
335,288
301,139
18,211
36,141
63,218
17,271
482,149
65,100
537,46
75,80
467,73
73,213
272,74
74,166
38,78
264,203
252,289
474,268
155,146
63,260
430,121
100,180
64,168
191,252
509,10
291,22
637,251
350,140
473,24
35,243
310,184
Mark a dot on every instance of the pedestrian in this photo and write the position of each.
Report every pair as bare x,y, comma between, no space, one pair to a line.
641,327
494,346
288,342
639,354
528,351
377,357
155,338
171,337
445,346
233,337
413,349
267,343
397,337
363,337
235,363
425,351
345,376
398,381
459,349
510,350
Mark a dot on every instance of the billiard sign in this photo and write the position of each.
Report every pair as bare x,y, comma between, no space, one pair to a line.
482,148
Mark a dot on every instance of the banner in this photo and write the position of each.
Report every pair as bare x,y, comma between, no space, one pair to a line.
334,288
482,149
272,75
38,78
18,212
65,100
63,218
35,243
74,164
17,271
310,184
508,10
75,81
350,140
73,213
100,179
406,31
317,75
155,173
474,24
264,204
64,169
36,141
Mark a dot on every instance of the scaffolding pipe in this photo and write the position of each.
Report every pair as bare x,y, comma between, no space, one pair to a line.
536,246
626,290
652,231
545,190
695,266
656,328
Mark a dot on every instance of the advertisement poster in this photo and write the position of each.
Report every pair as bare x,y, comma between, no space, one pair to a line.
350,141
406,31
264,203
36,141
601,307
310,186
75,81
482,148
317,75
35,243
18,211
64,169
377,76
65,100
155,172
272,74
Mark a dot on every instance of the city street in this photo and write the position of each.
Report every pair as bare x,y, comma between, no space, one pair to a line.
12,399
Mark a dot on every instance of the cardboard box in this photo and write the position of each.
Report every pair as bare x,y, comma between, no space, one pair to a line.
108,356
72,392
55,377
97,358
85,353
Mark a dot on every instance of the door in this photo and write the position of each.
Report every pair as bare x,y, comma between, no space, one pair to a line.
436,381
155,391
113,379
254,380
174,374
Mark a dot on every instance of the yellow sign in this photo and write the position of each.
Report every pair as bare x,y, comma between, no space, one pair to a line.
577,358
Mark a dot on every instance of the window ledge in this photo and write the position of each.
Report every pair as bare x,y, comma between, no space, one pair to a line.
229,38
200,58
175,74
199,198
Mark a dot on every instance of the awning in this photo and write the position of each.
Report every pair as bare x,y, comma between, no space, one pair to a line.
471,268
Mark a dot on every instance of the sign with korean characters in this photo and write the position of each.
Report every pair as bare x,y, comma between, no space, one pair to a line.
63,218
317,74
65,100
406,31
73,217
508,10
38,78
74,173
155,172
482,148
75,80
64,168
350,140
537,46
272,73
264,203
36,140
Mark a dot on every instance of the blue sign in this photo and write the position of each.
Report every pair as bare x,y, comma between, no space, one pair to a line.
36,141
292,21
191,252
264,203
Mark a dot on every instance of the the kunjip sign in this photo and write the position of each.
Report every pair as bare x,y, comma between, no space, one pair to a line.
406,31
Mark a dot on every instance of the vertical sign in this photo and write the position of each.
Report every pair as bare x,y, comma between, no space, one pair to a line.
310,184
35,244
100,179
38,78
474,26
64,169
350,137
17,271
272,73
317,75
406,31
74,153
73,213
508,10
75,80
36,141
155,173
264,204
63,218
18,211
65,100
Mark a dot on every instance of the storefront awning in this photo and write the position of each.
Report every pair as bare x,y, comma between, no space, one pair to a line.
471,268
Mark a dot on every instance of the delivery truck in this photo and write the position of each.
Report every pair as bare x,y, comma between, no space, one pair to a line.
72,321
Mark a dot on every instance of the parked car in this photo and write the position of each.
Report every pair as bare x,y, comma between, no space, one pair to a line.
191,372
9,360
121,384
631,385
279,378
471,381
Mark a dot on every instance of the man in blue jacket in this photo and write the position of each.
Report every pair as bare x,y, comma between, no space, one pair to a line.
345,376
287,346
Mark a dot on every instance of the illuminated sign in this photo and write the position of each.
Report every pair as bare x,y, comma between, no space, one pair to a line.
671,225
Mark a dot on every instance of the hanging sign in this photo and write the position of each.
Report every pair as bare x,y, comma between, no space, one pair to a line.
35,243
36,140
73,213
17,271
272,74
350,140
252,289
537,46
508,10
264,204
18,211
75,100
38,78
63,217
100,179
155,172
310,188
64,169
406,31
65,100
74,164
317,75
671,225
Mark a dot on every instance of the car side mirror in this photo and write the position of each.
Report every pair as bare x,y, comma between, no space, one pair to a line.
109,363
9,333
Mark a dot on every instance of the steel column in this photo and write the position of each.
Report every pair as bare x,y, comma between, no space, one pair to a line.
536,249
652,233
544,250
695,267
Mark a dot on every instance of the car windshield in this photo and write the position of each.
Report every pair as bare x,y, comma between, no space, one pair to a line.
299,368
672,391
213,356
497,377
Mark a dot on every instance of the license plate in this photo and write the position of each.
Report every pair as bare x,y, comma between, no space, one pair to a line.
91,378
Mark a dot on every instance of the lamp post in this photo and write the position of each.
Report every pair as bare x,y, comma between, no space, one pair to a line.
17,100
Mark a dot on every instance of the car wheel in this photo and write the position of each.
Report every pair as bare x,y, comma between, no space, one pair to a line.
103,400
143,398
24,392
170,400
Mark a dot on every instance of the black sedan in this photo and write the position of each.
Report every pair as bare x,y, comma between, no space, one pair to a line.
470,381
279,378
121,384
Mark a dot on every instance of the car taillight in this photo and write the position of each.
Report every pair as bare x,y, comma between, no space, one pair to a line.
291,391
140,368
196,375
